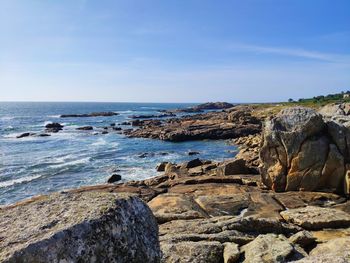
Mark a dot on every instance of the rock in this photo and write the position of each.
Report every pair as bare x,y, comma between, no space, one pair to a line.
104,132
79,227
26,134
112,125
315,218
270,248
93,114
169,114
114,178
85,128
336,250
236,166
192,252
53,127
161,166
213,106
298,153
43,135
231,253
191,164
125,123
334,109
144,155
210,125
117,128
303,239
167,207
193,153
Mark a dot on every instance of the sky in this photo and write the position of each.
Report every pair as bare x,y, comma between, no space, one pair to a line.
173,50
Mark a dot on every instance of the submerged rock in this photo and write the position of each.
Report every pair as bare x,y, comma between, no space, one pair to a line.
79,227
93,114
85,128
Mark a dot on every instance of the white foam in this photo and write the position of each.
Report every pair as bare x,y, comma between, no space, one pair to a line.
7,118
99,142
71,163
18,181
54,116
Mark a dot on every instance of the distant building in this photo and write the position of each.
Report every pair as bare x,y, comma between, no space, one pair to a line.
346,96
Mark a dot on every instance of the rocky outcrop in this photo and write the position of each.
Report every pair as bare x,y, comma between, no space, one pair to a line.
302,151
93,114
85,128
53,127
79,227
211,125
214,106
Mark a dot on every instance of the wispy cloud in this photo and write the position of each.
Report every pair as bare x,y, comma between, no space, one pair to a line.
293,52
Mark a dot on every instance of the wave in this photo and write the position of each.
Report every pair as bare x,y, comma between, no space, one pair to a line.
54,116
18,181
7,118
71,163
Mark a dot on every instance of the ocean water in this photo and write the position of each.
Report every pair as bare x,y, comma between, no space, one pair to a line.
72,158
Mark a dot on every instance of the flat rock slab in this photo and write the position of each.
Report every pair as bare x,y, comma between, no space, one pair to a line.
316,218
271,248
192,252
79,227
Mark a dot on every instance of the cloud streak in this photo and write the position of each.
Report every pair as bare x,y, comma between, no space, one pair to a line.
292,52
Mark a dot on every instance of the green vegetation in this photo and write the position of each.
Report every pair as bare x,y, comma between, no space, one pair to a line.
319,101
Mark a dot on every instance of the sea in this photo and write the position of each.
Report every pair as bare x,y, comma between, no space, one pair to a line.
71,158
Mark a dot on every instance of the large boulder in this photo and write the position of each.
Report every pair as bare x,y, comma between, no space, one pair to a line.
302,152
79,227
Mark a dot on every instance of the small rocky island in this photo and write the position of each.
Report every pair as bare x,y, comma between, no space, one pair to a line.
283,198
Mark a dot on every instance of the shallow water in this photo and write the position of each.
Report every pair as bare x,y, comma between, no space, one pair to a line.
71,158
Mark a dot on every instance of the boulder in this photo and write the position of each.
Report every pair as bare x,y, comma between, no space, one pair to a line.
161,166
114,178
316,218
53,127
303,238
299,153
236,166
79,227
271,248
191,164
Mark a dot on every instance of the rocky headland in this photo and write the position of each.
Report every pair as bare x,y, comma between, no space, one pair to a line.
283,198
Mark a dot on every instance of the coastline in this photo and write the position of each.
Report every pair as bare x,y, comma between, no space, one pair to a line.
223,211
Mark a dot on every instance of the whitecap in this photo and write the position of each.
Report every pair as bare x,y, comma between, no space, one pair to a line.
18,181
99,142
71,163
54,116
7,118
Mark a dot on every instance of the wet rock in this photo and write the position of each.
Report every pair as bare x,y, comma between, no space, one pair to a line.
93,114
161,166
125,123
117,128
26,134
43,135
193,153
114,178
53,127
271,248
112,125
79,227
315,218
85,128
104,132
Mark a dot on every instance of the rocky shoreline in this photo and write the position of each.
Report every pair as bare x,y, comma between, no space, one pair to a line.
283,198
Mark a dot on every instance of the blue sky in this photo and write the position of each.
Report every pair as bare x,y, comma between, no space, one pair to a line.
173,51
